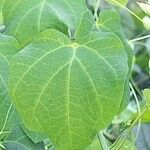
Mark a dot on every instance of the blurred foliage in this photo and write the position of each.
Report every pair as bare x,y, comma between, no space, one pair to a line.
146,116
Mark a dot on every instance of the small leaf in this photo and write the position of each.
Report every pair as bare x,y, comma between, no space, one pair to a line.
110,21
86,25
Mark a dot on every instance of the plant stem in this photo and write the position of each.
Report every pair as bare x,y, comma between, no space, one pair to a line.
138,118
138,107
136,87
102,141
132,125
4,132
140,38
96,9
6,119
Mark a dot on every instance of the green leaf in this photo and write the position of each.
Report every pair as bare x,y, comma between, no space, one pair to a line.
8,47
87,24
109,20
18,140
25,19
34,136
69,90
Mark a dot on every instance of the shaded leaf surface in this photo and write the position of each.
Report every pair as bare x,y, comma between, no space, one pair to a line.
34,136
18,140
8,47
25,19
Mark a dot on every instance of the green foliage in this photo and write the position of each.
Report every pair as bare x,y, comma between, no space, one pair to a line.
66,72
8,47
65,86
34,136
17,139
25,19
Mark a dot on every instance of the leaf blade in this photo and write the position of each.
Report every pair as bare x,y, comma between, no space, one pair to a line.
61,86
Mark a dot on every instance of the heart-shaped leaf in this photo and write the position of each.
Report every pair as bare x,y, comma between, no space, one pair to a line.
61,87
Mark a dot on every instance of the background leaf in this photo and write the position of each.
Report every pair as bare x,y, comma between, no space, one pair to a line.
18,140
34,136
25,19
108,21
8,47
